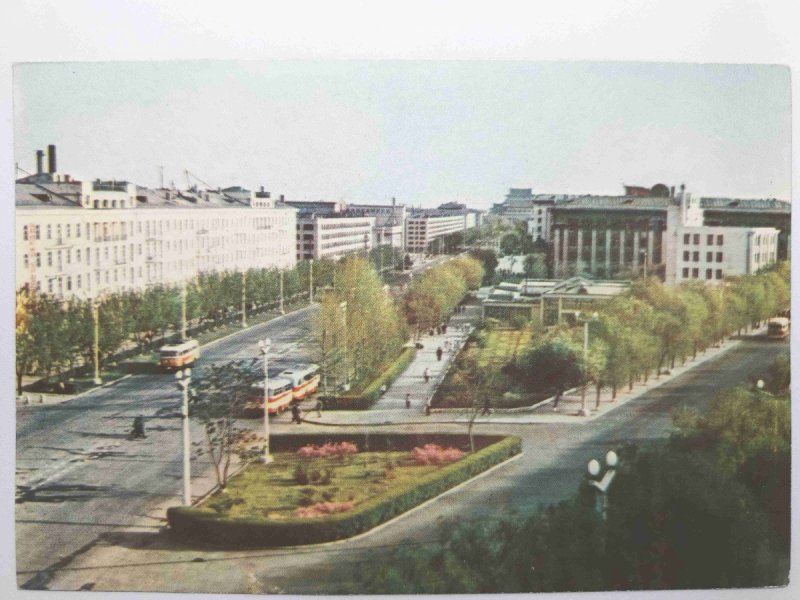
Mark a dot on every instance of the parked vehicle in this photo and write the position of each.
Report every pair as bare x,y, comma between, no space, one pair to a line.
280,397
305,380
778,328
176,356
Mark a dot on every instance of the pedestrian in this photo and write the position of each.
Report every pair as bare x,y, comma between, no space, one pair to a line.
383,389
137,431
408,400
444,328
427,409
426,376
439,353
318,407
296,414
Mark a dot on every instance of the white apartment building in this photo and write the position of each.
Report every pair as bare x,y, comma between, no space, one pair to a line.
333,235
389,222
83,239
423,228
711,253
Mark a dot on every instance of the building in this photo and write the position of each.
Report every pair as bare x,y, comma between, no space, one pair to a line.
741,212
333,235
633,235
424,226
521,204
83,239
390,222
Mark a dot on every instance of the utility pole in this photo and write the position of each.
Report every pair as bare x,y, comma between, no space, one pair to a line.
244,299
183,312
280,309
184,378
96,317
265,345
311,281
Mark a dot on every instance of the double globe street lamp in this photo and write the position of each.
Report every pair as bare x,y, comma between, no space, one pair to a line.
602,484
184,377
264,345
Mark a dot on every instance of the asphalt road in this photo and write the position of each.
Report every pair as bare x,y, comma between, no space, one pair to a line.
551,468
79,477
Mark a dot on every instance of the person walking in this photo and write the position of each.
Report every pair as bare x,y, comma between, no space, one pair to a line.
426,375
318,407
408,400
296,414
439,353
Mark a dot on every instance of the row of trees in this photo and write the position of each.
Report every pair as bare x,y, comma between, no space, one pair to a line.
645,332
53,335
710,508
431,298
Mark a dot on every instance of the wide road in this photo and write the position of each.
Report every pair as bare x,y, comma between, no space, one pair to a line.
79,477
550,470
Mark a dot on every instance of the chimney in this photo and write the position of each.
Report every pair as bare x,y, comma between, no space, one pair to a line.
281,197
39,161
262,189
51,158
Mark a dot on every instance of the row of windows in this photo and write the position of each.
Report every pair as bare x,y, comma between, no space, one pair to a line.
695,273
695,256
694,238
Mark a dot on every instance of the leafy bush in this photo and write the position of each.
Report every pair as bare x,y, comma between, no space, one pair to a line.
372,392
223,504
326,450
259,532
431,454
301,475
306,497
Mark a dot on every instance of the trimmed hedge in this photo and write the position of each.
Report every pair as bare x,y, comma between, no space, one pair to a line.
211,528
372,392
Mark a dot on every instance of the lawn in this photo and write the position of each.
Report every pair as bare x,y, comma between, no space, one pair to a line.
274,493
491,350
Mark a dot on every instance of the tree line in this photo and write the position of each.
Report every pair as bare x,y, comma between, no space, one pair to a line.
53,335
642,334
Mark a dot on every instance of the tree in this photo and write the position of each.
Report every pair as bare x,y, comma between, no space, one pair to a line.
489,260
217,396
535,266
555,363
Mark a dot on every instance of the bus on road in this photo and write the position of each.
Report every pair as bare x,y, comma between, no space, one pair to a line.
280,397
177,356
305,380
778,328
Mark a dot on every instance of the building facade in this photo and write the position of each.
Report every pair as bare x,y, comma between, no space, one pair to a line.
424,227
333,235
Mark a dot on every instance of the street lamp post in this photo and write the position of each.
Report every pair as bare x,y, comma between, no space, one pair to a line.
96,319
602,485
644,262
183,312
311,282
280,309
595,316
265,345
343,306
244,299
184,378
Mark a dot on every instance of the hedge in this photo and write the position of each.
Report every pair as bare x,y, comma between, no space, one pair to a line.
372,392
211,528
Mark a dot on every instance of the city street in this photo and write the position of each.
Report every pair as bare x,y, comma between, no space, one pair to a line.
550,469
78,475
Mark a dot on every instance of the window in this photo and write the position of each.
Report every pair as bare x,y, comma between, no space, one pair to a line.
49,232
719,240
50,286
78,281
686,272
708,273
719,273
710,239
69,256
719,256
25,232
38,233
78,231
696,239
695,273
25,261
69,230
709,256
695,256
69,283
78,255
38,259
49,259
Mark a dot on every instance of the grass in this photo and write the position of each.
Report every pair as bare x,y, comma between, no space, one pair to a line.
501,346
272,492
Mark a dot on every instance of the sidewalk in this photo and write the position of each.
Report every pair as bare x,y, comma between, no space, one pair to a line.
392,411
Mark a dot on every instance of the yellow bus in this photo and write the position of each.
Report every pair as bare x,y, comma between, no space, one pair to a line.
305,380
778,328
176,356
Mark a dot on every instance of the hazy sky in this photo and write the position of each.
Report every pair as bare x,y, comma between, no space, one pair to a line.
423,132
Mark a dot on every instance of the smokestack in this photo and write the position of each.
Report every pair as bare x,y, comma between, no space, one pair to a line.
39,161
51,158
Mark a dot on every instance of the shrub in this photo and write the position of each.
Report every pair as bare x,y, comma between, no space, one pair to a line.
301,475
320,509
326,450
327,475
431,454
224,504
306,497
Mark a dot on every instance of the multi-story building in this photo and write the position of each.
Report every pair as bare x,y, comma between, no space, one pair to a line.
423,226
82,239
611,236
333,235
389,222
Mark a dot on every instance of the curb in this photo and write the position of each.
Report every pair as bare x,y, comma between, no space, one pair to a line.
80,395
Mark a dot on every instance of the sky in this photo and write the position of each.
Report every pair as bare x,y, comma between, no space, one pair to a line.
424,132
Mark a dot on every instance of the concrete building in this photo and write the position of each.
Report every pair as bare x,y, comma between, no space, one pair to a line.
82,239
426,226
389,222
333,235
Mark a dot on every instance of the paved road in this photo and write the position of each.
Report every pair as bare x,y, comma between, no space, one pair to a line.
79,477
549,471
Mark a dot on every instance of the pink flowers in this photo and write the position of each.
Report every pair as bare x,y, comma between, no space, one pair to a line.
329,449
320,509
431,454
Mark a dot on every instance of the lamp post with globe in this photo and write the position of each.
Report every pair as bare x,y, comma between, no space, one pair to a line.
603,483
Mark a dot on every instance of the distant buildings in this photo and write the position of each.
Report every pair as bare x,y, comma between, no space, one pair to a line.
643,232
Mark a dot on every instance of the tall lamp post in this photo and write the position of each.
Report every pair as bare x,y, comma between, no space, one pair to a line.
594,317
343,306
184,378
264,346
244,299
280,308
644,262
602,484
183,312
311,282
96,319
